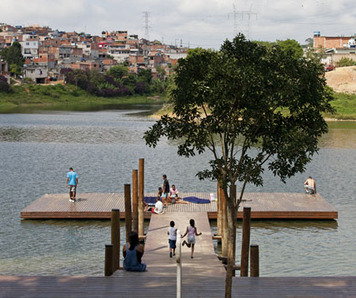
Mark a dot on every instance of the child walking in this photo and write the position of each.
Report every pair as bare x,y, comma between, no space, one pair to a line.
172,238
192,232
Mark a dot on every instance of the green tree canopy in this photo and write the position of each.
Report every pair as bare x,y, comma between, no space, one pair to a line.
14,57
254,108
118,71
291,47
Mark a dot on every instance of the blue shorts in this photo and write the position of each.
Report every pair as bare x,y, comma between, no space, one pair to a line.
172,243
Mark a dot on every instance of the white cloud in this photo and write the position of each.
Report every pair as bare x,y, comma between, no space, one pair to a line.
206,23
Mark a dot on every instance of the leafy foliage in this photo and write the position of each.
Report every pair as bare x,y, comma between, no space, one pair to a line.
346,62
4,85
246,96
116,82
14,58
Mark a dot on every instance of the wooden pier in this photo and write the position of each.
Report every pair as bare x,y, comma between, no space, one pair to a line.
203,276
263,206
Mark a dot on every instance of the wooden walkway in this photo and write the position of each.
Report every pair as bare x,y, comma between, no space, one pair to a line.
263,206
266,287
203,276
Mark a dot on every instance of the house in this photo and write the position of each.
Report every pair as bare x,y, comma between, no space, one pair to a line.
29,47
37,73
332,42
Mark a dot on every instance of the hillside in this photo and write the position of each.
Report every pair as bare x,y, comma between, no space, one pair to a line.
342,79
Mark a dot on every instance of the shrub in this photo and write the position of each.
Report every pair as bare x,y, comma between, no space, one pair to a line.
346,62
4,85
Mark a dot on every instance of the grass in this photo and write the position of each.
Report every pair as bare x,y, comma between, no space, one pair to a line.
46,96
68,97
345,107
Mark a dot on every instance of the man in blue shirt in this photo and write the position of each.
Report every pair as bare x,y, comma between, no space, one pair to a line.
72,182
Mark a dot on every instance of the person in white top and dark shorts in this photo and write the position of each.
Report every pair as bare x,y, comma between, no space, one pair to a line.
172,239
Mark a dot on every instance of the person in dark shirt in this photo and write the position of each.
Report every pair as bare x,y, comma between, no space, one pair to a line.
165,193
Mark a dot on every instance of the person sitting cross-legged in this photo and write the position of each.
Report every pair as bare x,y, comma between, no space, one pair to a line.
174,196
133,252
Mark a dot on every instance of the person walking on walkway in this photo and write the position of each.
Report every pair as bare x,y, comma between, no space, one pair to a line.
72,182
192,232
172,239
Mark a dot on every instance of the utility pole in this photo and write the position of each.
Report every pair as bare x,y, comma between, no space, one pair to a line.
241,13
146,24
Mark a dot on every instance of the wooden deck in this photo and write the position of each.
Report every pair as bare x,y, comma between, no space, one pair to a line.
203,276
145,286
263,206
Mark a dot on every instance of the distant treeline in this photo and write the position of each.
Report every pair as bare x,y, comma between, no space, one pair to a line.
115,82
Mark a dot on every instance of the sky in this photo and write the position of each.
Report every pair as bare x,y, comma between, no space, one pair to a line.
193,23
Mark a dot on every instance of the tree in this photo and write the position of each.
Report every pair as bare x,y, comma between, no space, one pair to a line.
118,71
253,108
14,58
291,47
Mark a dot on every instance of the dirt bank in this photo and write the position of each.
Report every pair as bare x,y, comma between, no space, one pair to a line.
342,79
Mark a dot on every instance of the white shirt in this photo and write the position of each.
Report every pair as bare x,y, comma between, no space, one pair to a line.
172,233
158,207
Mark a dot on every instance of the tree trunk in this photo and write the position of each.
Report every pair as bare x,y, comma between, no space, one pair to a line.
231,243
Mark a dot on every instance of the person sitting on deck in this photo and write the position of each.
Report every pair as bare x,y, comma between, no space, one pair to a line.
174,197
158,209
310,186
133,252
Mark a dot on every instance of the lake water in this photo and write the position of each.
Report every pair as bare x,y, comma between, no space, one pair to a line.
104,146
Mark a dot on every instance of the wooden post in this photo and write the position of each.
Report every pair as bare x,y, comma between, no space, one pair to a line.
179,265
135,200
115,238
140,196
254,262
109,260
219,211
128,218
246,225
224,229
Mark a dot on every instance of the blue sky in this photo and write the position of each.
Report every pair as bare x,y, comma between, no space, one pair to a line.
205,23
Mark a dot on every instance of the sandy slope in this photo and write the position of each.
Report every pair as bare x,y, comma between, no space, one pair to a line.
342,79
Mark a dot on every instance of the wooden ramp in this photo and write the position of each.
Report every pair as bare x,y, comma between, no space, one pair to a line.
161,275
263,206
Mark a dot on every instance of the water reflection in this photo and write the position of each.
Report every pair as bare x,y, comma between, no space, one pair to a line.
341,135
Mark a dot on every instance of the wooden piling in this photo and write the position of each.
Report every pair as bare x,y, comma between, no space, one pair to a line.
135,200
140,197
128,217
109,260
115,238
246,226
224,228
254,261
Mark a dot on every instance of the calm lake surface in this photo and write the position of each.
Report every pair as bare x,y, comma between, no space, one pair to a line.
104,146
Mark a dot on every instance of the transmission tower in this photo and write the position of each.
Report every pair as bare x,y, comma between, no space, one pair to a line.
240,14
146,24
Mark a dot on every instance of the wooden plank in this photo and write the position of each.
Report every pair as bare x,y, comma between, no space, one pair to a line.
263,206
152,285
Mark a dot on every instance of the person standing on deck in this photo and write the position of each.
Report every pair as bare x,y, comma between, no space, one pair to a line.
72,182
165,193
310,185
